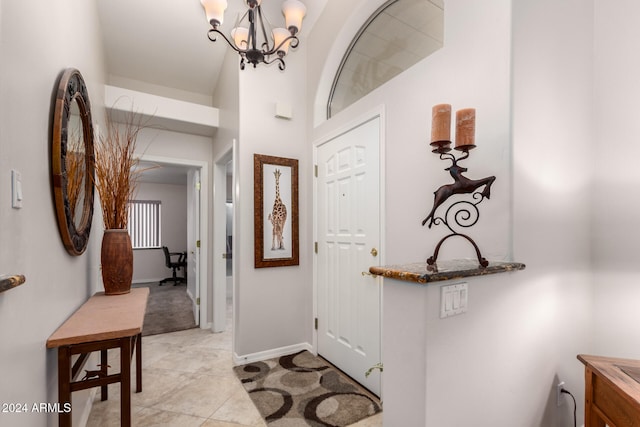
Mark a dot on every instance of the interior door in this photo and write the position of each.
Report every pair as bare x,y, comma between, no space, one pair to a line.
193,227
348,231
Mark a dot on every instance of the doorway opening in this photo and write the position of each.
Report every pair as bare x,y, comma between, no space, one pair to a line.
193,174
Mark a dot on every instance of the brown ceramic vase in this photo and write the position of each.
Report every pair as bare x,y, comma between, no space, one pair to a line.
117,262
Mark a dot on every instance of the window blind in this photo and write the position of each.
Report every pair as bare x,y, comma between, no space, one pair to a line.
144,224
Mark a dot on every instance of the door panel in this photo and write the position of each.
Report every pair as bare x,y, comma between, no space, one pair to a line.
193,235
349,303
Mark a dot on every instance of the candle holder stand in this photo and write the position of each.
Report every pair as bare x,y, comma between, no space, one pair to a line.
463,213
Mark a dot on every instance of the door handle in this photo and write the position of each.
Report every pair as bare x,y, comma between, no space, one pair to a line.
374,252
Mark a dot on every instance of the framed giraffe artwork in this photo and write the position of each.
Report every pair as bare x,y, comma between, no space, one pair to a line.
276,211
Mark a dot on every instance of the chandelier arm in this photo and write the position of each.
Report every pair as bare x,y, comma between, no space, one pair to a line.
294,44
265,45
213,30
281,64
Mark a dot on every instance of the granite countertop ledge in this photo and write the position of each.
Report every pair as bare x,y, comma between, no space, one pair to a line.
443,270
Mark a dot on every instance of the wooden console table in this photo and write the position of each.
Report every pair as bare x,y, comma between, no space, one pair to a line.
103,322
612,391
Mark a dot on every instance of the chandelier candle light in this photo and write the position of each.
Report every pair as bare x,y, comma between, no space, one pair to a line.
252,36
465,213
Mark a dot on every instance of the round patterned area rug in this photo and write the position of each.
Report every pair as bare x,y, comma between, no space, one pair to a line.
302,389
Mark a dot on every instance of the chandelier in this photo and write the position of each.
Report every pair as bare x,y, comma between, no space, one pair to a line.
252,36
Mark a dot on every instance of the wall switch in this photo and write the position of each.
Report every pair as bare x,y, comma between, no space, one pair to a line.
16,189
453,299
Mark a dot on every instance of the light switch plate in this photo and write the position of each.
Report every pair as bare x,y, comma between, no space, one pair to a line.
453,299
16,189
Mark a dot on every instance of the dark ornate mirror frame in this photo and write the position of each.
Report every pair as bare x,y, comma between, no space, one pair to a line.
71,88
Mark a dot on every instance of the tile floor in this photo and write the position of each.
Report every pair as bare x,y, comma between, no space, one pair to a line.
187,381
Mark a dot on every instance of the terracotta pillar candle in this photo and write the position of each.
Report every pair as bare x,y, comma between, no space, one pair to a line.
465,127
441,123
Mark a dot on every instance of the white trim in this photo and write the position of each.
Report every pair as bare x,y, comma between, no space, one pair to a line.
270,354
349,29
204,224
138,281
85,411
219,234
173,114
191,297
235,232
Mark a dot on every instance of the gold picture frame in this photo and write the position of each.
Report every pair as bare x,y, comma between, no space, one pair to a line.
275,196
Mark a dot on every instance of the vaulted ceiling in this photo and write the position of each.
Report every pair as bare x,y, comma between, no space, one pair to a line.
164,42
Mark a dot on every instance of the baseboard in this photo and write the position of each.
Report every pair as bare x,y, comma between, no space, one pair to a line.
82,413
138,281
194,306
88,406
270,354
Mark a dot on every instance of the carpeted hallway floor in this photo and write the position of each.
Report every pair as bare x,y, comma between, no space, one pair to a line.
169,309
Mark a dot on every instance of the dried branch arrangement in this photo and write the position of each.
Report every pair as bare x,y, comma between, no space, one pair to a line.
116,172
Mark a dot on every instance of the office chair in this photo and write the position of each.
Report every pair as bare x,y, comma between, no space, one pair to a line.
181,262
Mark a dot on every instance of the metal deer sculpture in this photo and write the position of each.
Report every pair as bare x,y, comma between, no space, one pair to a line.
461,185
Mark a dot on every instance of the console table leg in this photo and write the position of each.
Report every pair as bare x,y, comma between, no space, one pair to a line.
64,384
104,390
139,363
125,382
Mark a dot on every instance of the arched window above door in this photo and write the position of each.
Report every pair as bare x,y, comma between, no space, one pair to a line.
395,37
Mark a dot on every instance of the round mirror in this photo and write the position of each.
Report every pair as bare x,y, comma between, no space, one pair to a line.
72,159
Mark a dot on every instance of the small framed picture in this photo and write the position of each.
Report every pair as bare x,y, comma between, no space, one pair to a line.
276,211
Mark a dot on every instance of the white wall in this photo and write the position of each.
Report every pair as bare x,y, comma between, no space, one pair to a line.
532,88
553,149
227,101
149,264
616,208
57,283
273,305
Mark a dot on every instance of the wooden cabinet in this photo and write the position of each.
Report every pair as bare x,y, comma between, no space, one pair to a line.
612,391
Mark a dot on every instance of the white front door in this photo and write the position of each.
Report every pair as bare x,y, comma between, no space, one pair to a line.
348,232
